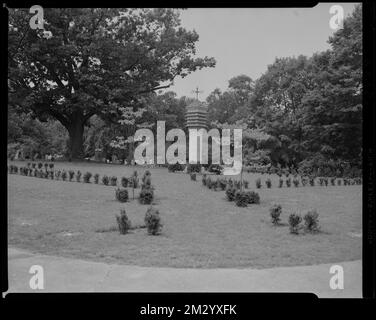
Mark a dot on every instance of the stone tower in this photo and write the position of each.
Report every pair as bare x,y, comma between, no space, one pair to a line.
196,115
196,118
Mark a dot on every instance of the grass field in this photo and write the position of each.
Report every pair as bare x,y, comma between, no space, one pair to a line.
201,229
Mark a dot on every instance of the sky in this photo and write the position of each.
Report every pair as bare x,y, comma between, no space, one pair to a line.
247,40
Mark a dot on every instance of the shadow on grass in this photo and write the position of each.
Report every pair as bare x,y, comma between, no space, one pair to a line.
116,229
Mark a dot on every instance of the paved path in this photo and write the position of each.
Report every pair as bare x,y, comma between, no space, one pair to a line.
73,275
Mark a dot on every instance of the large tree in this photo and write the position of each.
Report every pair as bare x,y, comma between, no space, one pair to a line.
333,108
230,105
97,61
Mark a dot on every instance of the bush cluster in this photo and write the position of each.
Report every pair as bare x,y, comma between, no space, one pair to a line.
87,176
275,213
147,191
153,221
124,224
311,221
241,198
294,222
193,176
175,167
121,195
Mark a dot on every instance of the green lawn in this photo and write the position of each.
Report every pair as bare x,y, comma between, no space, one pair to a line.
201,229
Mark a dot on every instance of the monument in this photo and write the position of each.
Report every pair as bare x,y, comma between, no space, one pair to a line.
196,117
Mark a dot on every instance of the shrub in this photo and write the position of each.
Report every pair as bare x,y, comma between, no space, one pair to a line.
280,182
223,184
71,175
209,183
268,183
253,197
113,181
96,178
241,198
288,182
258,183
215,168
134,181
64,175
40,165
87,177
146,196
123,222
296,182
121,195
124,182
146,183
194,168
294,222
311,221
275,213
193,176
147,175
153,221
105,180
230,193
78,176
218,185
175,167
246,184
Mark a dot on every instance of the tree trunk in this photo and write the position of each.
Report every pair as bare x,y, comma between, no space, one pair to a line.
76,131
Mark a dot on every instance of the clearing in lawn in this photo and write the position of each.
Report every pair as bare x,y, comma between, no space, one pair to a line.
201,229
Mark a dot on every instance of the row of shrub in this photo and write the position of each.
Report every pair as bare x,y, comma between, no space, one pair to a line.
70,175
234,190
195,168
311,220
152,222
310,181
222,183
242,198
314,167
40,165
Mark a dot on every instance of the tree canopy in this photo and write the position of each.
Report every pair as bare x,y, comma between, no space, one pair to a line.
97,61
309,105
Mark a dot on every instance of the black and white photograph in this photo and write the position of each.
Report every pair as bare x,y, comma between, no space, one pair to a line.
205,150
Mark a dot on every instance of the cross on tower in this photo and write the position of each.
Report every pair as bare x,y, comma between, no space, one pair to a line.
197,92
